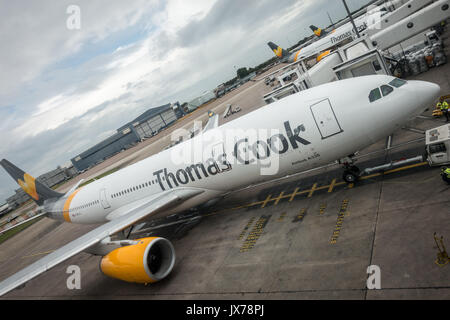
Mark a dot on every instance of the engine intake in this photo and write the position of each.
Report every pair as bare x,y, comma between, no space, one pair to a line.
148,261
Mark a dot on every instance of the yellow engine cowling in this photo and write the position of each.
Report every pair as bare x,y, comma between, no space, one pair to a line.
148,261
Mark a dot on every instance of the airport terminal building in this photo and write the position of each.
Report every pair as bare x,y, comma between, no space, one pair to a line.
145,126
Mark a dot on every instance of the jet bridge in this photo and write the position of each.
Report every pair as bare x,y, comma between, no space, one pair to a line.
360,59
365,55
304,78
410,26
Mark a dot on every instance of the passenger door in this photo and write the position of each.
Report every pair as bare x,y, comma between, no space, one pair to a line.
325,118
103,199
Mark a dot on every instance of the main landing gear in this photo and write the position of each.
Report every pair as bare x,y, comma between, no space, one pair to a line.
351,172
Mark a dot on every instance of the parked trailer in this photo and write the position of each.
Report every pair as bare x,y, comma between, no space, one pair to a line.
437,142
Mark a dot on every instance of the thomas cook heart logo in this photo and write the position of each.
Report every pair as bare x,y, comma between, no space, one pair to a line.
278,51
29,186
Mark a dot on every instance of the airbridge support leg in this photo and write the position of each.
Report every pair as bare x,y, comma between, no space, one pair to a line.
352,173
392,165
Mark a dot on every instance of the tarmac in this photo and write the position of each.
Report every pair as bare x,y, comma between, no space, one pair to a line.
308,236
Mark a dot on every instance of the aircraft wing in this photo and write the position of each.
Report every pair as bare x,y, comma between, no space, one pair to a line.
153,205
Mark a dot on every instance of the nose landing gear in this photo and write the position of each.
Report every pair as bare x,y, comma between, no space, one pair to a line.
351,172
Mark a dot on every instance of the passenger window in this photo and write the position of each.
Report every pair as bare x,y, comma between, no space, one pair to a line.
375,94
397,82
385,90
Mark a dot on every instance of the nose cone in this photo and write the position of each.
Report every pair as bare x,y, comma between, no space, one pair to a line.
424,94
432,90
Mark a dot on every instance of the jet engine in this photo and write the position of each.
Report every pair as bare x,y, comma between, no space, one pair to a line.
147,261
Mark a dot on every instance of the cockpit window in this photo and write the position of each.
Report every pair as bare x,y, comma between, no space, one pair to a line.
397,82
385,90
375,94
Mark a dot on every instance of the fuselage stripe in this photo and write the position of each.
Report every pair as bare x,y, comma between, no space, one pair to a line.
67,205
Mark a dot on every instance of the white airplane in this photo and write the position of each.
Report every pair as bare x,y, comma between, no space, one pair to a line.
328,40
305,130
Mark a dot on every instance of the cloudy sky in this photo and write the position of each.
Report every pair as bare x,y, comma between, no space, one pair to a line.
67,81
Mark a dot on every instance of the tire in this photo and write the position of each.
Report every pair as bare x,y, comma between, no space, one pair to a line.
349,177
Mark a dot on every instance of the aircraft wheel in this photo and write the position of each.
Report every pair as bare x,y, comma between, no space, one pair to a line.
349,177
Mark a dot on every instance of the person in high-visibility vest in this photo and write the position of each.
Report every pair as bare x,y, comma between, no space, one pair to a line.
443,105
445,174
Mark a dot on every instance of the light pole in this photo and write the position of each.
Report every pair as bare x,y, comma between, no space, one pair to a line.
351,18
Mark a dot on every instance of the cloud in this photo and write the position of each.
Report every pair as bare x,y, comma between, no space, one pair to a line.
63,90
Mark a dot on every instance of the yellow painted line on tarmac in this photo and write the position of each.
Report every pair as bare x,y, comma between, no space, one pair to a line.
394,170
293,194
266,201
371,176
279,197
322,208
255,234
339,222
322,188
300,215
37,254
282,216
247,226
406,167
330,188
312,190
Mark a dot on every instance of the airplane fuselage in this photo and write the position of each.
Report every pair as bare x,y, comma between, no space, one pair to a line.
330,40
300,132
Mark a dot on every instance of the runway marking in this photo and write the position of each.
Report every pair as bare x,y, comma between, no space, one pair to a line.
406,167
266,201
333,183
255,234
37,254
322,208
300,215
312,190
339,222
241,236
281,218
394,170
293,194
278,199
329,187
